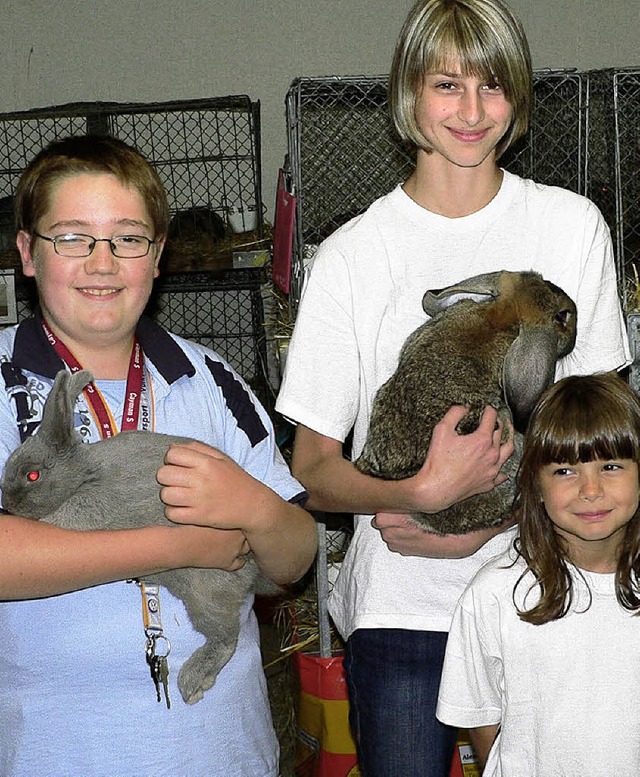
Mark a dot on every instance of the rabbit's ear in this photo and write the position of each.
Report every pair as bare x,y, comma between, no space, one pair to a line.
478,289
57,426
528,369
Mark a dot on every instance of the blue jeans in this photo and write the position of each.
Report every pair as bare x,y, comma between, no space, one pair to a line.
393,677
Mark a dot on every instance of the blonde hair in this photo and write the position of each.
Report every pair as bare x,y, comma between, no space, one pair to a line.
486,38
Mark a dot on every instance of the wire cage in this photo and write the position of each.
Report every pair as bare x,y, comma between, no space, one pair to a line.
626,100
207,153
344,151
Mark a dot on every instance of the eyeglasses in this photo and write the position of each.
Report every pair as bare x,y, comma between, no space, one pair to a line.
76,246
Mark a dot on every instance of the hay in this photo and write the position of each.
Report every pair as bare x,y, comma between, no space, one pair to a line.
278,322
200,252
632,292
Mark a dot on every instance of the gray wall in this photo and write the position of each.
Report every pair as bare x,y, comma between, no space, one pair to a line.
153,50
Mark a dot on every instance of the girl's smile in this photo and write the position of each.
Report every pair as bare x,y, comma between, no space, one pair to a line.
590,504
599,516
463,117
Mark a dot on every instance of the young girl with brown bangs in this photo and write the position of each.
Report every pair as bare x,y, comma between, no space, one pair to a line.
543,657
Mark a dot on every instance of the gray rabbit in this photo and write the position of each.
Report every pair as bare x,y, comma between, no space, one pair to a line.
112,484
492,340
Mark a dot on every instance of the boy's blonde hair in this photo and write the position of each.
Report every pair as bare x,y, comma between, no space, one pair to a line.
88,154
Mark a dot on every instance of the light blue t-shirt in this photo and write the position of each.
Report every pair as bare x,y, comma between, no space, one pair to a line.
76,695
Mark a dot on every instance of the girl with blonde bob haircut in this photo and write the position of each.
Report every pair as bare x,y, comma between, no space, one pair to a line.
541,663
484,37
460,92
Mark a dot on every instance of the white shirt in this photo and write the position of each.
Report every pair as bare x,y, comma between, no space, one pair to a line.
566,693
361,300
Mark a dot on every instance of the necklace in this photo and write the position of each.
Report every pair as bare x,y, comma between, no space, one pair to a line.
134,393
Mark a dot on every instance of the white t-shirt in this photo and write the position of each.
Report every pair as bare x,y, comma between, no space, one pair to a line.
363,297
566,694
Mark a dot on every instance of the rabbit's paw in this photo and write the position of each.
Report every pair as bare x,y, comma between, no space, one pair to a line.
200,670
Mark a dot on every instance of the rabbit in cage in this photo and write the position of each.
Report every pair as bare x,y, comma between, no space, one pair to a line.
491,340
56,477
195,238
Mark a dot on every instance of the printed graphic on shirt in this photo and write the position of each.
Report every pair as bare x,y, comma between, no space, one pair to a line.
28,395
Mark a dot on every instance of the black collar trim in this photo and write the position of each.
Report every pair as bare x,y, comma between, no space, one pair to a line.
33,352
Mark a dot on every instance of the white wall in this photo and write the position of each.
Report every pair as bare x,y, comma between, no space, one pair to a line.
153,50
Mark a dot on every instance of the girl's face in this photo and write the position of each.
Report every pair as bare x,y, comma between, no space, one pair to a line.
590,504
462,117
94,301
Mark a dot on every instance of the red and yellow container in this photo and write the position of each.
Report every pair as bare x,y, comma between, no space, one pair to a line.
325,745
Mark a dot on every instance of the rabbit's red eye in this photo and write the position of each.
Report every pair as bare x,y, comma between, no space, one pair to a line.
33,475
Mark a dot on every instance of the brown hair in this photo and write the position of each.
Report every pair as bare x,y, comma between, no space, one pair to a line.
489,42
579,419
88,154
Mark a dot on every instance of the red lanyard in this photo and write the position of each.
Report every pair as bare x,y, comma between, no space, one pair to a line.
133,392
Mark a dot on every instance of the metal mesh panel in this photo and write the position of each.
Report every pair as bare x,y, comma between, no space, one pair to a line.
600,144
347,150
344,152
626,86
551,152
207,152
633,329
226,316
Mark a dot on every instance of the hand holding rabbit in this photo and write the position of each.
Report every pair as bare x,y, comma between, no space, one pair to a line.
202,485
460,466
404,536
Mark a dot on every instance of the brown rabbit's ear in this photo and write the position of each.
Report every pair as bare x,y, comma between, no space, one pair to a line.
57,425
477,289
528,370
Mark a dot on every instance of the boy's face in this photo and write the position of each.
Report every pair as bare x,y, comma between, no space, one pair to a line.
590,504
97,300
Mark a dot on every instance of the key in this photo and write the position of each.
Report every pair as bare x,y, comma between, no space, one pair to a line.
152,660
156,675
163,674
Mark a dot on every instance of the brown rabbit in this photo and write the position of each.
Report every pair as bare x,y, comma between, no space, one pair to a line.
494,340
